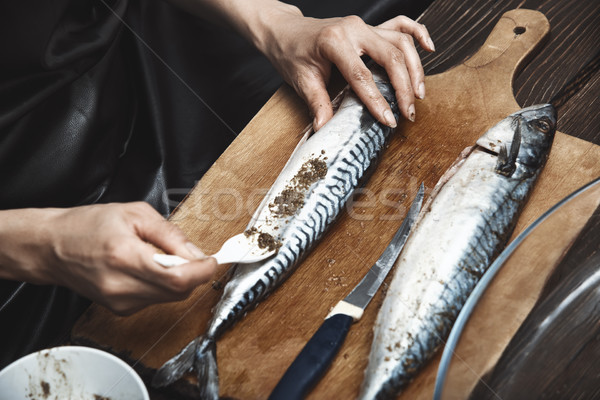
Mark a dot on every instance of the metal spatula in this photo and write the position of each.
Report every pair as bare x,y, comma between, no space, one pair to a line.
242,249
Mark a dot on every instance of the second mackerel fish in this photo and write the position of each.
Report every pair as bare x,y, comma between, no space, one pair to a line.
463,227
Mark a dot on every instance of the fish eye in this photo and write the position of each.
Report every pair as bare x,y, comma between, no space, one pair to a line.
543,125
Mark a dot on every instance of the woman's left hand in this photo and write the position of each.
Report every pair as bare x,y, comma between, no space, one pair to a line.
304,50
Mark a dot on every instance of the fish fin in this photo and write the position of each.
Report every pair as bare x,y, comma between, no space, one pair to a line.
200,355
507,159
177,366
205,365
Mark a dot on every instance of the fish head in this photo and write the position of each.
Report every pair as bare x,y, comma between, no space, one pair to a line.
537,126
523,139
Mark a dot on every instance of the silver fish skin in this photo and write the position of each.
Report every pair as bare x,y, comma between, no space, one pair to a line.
350,144
466,223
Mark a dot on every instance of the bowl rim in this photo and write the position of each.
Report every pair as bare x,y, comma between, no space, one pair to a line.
80,349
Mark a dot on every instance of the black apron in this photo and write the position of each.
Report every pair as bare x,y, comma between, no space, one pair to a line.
117,101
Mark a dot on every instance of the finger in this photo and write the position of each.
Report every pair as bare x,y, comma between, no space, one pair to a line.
314,92
128,283
179,281
153,228
188,276
406,25
360,79
126,295
130,256
411,58
394,62
175,283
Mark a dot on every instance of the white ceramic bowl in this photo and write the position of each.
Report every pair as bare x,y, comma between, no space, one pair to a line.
71,372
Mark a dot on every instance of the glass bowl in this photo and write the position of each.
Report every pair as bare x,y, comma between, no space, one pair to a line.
531,327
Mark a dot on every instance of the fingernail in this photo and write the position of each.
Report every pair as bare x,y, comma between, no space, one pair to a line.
421,90
389,119
430,43
196,252
411,113
316,124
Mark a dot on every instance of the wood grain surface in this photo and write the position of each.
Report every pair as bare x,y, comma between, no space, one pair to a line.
461,104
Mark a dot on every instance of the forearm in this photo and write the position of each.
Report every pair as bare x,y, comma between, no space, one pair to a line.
23,234
250,18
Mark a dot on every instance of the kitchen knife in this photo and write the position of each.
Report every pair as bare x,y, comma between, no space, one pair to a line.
318,353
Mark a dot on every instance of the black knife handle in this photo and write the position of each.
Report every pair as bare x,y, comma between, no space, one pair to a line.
314,359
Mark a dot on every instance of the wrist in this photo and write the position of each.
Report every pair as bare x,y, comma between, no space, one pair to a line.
256,20
260,21
25,245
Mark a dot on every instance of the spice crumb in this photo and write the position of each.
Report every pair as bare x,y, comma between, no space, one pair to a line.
45,389
264,240
287,203
291,199
250,232
267,241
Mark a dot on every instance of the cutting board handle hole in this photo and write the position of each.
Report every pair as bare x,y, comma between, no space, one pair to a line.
519,30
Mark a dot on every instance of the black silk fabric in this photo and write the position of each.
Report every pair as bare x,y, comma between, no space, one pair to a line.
116,101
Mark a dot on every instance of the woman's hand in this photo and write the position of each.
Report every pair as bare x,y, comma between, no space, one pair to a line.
304,49
103,252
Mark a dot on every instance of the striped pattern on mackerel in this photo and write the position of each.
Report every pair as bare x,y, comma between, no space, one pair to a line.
461,230
350,144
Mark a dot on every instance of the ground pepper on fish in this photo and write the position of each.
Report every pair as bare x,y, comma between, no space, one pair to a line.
291,199
310,172
287,203
267,241
250,232
264,240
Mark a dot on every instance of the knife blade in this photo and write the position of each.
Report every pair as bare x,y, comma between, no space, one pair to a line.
318,353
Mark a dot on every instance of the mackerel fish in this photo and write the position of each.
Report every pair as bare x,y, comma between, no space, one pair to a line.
465,224
296,211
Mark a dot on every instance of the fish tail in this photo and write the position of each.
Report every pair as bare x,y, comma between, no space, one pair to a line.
205,364
198,355
177,366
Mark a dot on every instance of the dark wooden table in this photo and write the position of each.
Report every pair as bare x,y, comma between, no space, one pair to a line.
565,71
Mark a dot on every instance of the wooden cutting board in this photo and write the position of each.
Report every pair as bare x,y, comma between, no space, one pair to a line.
461,104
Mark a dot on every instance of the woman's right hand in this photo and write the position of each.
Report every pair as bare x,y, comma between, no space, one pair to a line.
103,252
